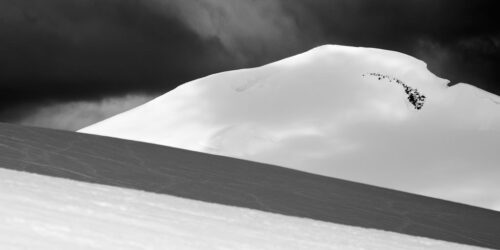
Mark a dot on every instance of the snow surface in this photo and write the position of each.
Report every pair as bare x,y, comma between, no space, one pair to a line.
322,112
41,212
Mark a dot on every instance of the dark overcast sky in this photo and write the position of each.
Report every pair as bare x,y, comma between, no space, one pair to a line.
94,58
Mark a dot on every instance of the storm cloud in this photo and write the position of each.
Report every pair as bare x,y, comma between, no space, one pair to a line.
64,51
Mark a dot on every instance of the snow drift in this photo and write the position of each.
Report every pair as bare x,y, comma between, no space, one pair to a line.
339,111
41,212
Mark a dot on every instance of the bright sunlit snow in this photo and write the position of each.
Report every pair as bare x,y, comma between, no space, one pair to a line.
40,212
326,111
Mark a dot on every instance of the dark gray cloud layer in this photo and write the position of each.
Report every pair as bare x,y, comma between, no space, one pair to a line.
57,51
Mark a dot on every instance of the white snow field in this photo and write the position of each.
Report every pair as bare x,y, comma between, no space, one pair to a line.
326,111
41,212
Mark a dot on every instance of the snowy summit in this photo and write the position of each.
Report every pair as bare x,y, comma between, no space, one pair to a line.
368,115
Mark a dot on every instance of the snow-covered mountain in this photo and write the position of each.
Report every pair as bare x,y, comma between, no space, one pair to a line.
362,114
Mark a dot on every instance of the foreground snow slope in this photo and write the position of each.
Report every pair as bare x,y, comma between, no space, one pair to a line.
234,182
323,112
40,212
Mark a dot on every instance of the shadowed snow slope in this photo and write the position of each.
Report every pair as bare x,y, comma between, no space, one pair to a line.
327,112
222,180
39,212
